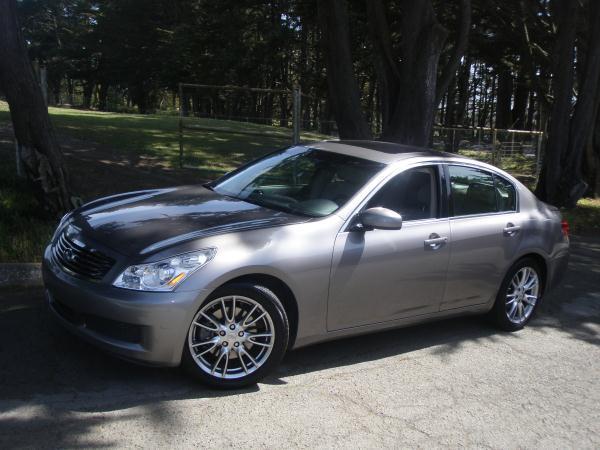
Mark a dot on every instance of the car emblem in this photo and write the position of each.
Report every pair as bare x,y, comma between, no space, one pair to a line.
70,255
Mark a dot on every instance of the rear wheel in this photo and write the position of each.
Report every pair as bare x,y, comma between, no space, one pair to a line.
519,295
237,336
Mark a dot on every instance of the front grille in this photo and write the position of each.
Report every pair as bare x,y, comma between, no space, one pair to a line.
80,260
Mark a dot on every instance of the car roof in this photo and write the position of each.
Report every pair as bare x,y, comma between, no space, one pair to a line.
380,151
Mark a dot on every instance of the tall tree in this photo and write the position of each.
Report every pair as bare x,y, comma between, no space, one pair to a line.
561,180
41,153
343,88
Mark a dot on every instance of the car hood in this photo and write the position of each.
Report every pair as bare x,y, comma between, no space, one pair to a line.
143,222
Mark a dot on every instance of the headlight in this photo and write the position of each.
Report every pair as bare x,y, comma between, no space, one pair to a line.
163,275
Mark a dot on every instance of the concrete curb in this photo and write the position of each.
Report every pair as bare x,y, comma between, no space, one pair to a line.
20,274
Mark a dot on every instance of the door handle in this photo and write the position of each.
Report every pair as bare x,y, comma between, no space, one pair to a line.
511,229
435,241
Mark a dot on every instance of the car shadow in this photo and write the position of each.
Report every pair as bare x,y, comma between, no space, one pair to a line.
44,367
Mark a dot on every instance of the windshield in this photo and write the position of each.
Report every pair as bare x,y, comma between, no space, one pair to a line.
299,180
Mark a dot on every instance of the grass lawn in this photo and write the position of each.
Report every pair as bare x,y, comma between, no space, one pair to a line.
152,140
214,146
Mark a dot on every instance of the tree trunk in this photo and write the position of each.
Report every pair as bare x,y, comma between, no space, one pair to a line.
103,97
343,88
504,97
571,183
413,107
41,153
561,180
519,112
88,90
592,163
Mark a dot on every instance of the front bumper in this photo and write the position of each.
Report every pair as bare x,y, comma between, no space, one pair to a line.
146,327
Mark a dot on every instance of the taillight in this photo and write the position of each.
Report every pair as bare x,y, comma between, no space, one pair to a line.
565,228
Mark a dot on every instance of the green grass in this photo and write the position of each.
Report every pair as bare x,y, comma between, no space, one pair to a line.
585,217
214,146
24,227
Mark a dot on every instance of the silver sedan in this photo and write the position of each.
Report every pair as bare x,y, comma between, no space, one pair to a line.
307,244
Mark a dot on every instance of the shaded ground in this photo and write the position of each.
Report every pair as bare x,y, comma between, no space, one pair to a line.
453,383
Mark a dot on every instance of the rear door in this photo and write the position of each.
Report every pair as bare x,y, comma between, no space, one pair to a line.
485,234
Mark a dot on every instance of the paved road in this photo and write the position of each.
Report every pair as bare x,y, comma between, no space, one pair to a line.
457,382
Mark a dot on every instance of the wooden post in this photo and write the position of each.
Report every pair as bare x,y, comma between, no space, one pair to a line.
180,125
538,156
296,115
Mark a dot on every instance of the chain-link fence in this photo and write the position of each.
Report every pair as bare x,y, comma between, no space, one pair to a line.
516,151
280,117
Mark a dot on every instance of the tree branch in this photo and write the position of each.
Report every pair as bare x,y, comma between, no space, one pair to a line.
449,71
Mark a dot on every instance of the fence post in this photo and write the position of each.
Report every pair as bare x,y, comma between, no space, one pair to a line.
538,159
296,117
494,145
180,125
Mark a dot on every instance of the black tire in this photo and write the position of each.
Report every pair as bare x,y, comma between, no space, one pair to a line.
271,304
499,313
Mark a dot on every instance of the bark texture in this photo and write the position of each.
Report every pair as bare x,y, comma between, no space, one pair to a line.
562,181
41,153
342,84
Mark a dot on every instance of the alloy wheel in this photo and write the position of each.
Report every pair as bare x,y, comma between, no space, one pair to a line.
522,295
231,337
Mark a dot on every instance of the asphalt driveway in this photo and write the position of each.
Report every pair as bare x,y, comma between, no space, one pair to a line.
452,383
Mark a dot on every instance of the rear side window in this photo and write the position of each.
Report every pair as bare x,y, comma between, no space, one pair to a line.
473,191
506,196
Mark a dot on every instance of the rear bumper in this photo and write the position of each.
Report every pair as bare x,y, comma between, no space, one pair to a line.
557,269
146,327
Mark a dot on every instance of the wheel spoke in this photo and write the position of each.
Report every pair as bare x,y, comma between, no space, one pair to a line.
249,357
530,299
233,306
240,352
511,313
224,311
525,276
216,364
201,325
531,283
255,320
262,344
226,362
210,349
198,344
249,315
520,308
211,320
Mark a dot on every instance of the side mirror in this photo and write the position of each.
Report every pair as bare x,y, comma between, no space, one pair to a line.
380,218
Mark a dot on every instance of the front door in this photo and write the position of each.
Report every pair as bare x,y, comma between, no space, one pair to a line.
384,275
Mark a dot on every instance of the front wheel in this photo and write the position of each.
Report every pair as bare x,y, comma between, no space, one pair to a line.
237,336
519,295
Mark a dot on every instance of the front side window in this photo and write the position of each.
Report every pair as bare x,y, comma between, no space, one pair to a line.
299,180
413,194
